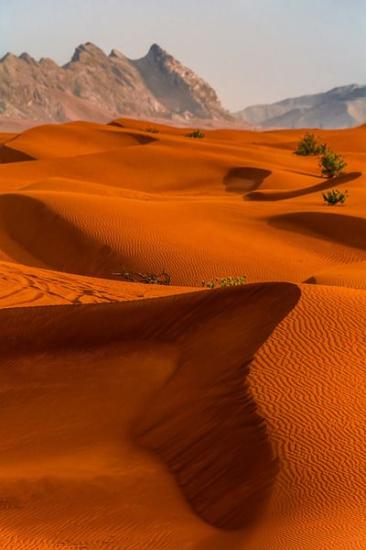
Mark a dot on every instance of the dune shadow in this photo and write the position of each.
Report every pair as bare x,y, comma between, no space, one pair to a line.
310,281
9,155
51,240
323,186
116,123
329,226
142,139
204,422
243,179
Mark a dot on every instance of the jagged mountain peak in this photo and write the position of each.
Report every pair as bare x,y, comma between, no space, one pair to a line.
178,87
28,58
9,56
85,51
156,52
117,54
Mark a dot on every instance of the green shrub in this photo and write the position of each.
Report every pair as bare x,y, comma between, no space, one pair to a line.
309,145
335,196
224,282
162,278
332,164
196,134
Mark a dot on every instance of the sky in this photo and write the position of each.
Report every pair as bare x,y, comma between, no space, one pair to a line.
250,51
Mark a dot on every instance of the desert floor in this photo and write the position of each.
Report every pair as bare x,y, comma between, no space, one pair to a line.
175,417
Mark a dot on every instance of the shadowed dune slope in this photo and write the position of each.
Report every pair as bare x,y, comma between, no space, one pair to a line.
339,182
26,221
349,230
77,351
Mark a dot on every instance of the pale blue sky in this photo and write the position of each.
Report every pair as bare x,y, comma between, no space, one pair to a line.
251,51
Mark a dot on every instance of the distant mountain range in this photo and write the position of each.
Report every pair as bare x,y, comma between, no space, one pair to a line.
341,107
98,87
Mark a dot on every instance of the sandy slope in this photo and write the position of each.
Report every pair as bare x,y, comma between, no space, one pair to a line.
145,417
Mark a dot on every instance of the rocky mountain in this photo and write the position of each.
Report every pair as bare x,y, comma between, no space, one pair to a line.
98,87
341,107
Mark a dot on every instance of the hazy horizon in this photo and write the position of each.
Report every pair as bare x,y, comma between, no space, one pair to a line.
249,53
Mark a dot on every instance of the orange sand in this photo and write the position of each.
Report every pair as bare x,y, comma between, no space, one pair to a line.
145,417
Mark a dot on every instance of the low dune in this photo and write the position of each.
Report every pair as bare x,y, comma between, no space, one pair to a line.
338,228
53,141
142,416
352,275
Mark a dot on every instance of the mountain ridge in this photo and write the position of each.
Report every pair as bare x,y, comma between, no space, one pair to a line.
99,86
340,107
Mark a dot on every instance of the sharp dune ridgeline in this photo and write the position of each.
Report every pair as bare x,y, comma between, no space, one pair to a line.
142,416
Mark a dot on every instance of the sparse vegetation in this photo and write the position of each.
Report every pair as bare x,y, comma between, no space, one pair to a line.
196,134
332,164
162,278
334,196
224,282
309,145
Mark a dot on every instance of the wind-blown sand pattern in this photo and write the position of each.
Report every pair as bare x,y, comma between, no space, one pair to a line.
175,417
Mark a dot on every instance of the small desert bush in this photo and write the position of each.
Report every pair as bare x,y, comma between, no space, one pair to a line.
332,164
162,278
309,145
334,196
196,134
224,282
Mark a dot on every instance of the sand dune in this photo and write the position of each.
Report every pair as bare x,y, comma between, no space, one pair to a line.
53,141
340,182
348,230
352,275
175,417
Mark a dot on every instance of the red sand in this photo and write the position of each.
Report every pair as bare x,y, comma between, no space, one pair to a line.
145,417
